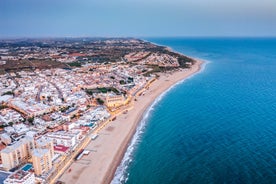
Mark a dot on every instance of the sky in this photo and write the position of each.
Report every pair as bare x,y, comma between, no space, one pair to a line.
137,18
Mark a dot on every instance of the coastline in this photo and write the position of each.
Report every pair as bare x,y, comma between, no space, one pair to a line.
109,148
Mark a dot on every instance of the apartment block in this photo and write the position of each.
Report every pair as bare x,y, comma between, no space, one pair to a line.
42,161
17,153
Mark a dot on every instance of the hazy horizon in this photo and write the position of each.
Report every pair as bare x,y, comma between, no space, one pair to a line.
133,18
134,37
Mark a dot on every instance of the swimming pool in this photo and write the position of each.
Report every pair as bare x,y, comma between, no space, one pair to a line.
27,167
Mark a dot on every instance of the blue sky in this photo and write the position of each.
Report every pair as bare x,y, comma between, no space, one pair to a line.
138,18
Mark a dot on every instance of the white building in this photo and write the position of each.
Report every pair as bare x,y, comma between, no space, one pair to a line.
20,177
5,138
44,143
67,139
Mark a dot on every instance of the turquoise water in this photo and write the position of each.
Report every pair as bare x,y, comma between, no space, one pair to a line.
27,167
218,126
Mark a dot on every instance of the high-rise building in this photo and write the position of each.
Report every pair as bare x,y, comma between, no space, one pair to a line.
45,143
17,153
42,161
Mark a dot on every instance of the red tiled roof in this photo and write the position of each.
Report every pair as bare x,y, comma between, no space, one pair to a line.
77,54
61,148
56,56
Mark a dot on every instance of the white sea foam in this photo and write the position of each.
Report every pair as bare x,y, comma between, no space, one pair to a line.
121,175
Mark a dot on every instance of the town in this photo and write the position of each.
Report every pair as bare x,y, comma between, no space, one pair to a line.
57,94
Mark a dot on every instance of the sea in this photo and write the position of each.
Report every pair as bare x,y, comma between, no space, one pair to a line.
218,126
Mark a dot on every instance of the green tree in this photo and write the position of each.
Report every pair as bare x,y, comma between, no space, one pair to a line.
31,120
100,101
8,93
122,82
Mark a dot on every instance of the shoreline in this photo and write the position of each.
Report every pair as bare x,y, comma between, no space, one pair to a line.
113,141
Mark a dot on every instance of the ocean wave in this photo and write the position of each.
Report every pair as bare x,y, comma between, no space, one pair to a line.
121,174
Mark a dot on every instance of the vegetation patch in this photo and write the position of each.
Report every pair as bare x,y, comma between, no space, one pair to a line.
102,90
75,64
8,93
100,101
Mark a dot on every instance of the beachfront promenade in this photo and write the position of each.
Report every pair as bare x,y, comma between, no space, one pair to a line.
114,136
68,159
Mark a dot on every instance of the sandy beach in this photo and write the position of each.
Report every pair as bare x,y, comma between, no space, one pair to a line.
108,149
